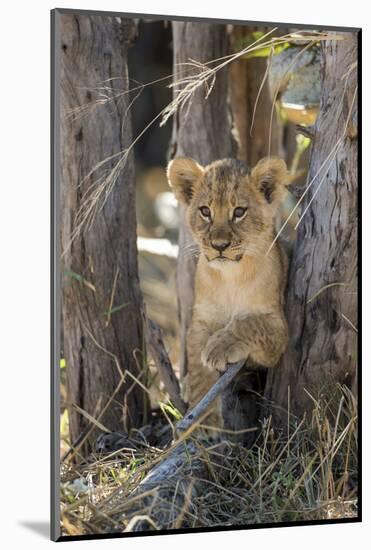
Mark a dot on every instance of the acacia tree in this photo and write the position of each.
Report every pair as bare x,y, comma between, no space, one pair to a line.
102,303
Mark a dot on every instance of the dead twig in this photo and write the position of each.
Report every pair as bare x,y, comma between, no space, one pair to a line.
159,354
199,410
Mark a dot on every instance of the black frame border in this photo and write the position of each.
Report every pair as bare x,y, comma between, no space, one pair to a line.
55,279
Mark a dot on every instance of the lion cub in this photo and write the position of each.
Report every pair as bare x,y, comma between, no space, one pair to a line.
239,286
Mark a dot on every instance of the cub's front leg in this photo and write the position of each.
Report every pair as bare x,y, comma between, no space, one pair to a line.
262,338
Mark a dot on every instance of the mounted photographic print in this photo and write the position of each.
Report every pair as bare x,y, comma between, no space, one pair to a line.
205,202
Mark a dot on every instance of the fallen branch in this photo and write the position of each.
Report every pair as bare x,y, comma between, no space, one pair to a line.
167,488
192,416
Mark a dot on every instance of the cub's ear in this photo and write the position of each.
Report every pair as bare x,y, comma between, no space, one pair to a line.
184,175
270,177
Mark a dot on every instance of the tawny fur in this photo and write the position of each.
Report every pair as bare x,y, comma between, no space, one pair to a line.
239,287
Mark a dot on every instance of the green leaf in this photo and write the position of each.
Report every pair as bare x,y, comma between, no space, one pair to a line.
169,408
116,308
266,52
302,142
256,35
80,279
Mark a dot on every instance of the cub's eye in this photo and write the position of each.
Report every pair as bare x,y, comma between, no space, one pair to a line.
205,212
239,212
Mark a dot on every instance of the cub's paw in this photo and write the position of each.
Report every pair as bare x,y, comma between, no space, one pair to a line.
222,348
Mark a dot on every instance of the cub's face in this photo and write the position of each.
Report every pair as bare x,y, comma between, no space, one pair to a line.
231,210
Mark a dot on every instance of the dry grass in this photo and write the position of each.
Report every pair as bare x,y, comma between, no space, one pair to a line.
307,473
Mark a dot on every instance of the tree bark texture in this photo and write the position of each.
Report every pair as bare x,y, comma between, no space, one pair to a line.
322,288
102,304
203,132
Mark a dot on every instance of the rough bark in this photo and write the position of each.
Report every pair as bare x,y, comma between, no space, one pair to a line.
203,132
323,320
100,267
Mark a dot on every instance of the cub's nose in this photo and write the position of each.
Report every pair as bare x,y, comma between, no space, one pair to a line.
220,246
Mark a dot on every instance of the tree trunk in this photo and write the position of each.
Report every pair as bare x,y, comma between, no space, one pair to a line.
102,304
323,318
246,77
203,132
